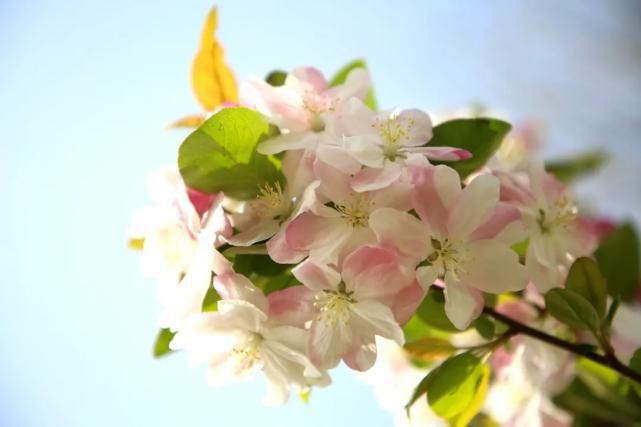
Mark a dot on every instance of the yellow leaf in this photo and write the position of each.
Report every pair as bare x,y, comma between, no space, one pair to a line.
136,244
429,349
464,418
212,80
192,121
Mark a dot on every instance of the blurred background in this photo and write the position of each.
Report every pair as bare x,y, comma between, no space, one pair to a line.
87,89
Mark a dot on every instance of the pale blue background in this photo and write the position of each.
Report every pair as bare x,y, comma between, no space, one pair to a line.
86,89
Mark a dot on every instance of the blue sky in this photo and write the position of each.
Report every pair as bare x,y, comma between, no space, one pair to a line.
87,89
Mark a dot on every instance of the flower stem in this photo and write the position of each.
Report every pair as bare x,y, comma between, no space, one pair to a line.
608,360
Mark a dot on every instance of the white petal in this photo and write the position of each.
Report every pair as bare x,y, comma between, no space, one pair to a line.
419,126
462,305
426,276
377,319
366,150
317,276
493,267
287,141
257,233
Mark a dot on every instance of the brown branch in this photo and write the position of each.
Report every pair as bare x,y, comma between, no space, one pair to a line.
608,360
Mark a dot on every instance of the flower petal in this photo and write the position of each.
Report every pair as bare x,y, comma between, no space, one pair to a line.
462,304
442,153
365,149
401,231
418,125
474,206
287,141
233,286
317,276
493,267
369,179
375,318
256,233
435,190
291,306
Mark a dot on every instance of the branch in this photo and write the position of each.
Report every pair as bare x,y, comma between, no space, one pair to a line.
608,360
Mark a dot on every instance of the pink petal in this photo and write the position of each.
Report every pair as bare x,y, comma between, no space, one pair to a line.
401,231
462,304
202,201
280,252
442,153
291,306
309,230
503,215
312,76
369,179
407,301
361,356
316,276
474,206
432,185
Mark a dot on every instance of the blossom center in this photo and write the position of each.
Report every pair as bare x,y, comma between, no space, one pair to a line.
317,103
447,256
272,202
334,306
247,354
559,216
393,132
356,212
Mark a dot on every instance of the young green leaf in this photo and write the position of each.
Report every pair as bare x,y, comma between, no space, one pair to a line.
618,256
221,155
567,170
586,279
480,136
572,309
210,302
341,75
453,386
161,346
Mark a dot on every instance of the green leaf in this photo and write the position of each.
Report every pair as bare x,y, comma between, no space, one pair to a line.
432,311
221,155
485,327
572,309
567,170
480,136
341,75
161,347
210,302
635,360
618,256
276,78
586,279
419,391
261,265
453,386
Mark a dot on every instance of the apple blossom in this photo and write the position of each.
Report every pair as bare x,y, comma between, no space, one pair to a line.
462,237
550,216
247,333
383,142
369,297
330,231
301,106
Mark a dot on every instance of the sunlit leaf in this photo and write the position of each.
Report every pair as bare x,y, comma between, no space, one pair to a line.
221,155
212,80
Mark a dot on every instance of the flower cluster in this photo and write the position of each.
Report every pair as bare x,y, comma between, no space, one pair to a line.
362,214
